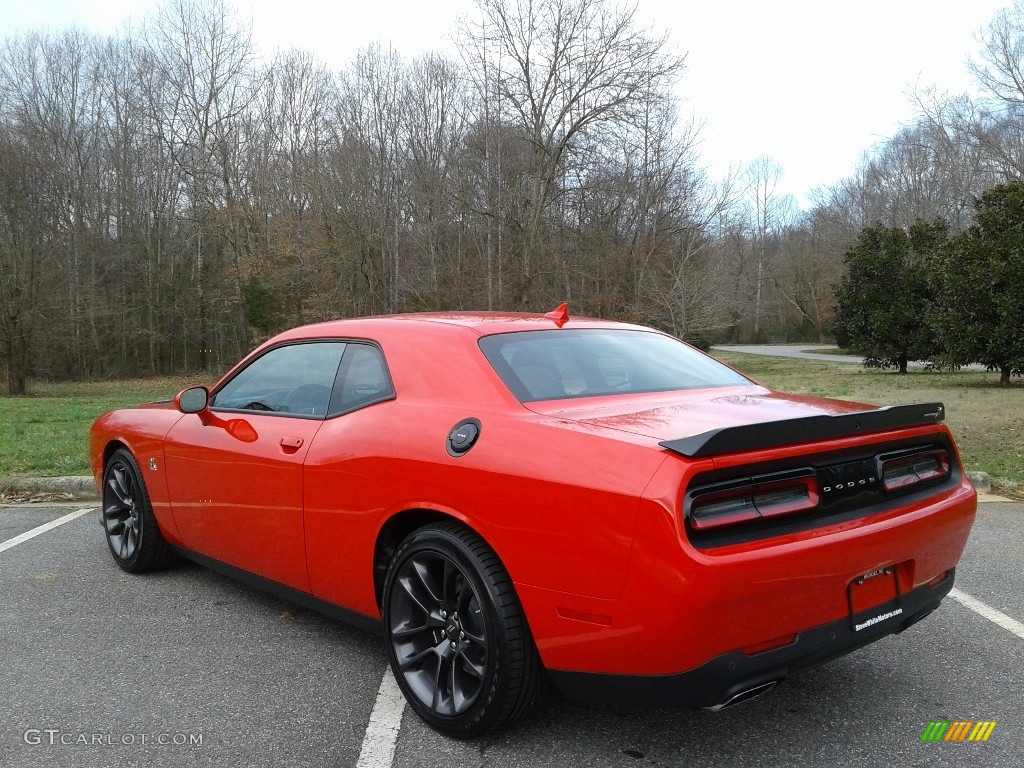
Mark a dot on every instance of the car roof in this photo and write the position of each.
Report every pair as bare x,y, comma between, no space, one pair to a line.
480,323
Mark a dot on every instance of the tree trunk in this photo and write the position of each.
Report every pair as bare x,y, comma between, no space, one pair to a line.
1004,376
902,360
17,364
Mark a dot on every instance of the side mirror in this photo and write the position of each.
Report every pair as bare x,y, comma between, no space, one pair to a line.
192,400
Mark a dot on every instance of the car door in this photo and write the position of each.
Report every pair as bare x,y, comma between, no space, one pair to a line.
236,483
347,481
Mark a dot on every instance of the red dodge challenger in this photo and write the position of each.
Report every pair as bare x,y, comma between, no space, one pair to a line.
515,499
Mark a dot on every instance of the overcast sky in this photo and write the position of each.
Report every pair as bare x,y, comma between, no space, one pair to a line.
810,83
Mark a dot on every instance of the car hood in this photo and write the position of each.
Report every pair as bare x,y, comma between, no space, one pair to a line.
676,415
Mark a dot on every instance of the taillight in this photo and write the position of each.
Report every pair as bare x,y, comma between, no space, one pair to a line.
725,508
903,472
787,497
753,502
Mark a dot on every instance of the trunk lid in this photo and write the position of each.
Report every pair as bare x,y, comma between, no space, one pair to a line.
676,415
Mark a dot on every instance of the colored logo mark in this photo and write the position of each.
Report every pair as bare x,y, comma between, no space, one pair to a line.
958,730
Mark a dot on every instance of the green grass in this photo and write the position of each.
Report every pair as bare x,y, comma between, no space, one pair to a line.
47,433
832,351
987,420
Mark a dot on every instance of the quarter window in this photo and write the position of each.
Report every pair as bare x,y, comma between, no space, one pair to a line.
362,379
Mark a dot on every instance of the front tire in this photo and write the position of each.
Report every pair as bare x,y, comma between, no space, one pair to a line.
458,641
132,534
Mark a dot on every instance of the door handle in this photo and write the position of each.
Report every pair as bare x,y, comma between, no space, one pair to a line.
291,443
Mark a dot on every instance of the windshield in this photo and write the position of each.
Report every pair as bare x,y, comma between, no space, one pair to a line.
557,364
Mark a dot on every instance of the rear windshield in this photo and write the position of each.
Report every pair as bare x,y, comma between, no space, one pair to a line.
558,364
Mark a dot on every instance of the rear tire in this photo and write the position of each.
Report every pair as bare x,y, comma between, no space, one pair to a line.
457,638
133,535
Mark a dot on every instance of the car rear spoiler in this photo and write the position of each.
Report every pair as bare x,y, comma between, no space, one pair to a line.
772,434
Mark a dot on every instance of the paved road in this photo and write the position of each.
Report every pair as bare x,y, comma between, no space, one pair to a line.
92,654
806,352
802,352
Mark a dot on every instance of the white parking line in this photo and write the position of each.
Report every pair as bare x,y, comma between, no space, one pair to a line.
988,612
23,537
378,750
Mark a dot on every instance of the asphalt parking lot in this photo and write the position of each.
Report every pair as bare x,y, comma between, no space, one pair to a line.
188,668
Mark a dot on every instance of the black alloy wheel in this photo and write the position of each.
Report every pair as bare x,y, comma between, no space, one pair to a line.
132,533
458,642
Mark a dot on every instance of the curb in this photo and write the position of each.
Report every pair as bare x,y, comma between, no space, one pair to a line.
71,488
981,481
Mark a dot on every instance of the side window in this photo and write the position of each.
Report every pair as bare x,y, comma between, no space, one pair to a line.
296,379
362,379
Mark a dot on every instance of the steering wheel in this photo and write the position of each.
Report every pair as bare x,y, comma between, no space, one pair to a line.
308,400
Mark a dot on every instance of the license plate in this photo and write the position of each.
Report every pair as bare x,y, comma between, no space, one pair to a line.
874,598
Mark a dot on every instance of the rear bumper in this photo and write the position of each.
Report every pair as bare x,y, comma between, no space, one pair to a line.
726,676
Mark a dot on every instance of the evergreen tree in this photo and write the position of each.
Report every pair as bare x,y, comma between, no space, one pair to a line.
885,299
981,303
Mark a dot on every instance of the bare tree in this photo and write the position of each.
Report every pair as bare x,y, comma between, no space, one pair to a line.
560,68
366,170
805,274
23,259
435,121
1000,66
205,58
288,271
997,122
770,213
